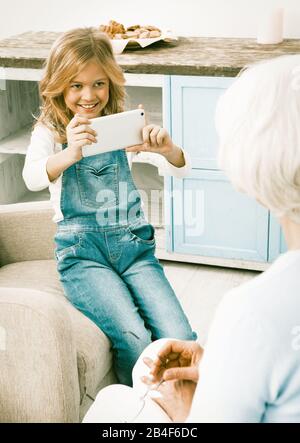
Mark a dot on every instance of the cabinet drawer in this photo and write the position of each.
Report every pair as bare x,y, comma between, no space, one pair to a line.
211,219
193,105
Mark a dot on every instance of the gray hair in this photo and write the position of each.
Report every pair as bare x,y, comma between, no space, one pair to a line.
258,122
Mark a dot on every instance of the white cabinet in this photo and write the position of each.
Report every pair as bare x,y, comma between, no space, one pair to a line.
19,103
145,174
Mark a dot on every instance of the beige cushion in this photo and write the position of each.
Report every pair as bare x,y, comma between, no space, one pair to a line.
26,232
94,357
38,376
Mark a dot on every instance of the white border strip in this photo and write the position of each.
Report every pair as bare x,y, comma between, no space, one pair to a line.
21,74
150,80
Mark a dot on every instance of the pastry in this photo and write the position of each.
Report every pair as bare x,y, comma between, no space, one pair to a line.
133,28
117,31
132,34
152,28
112,28
154,34
144,34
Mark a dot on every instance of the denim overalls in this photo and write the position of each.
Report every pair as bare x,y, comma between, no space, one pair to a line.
105,256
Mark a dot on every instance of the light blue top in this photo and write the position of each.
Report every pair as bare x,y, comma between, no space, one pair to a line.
251,366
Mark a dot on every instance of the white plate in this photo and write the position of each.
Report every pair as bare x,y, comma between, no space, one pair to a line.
120,44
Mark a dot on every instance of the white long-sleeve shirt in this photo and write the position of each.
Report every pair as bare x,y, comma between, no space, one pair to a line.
250,371
43,145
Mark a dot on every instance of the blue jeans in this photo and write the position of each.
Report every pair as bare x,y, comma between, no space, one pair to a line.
105,257
113,277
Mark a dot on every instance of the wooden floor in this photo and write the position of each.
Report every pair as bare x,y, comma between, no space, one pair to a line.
200,289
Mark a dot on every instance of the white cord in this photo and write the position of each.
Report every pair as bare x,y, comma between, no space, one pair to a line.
143,399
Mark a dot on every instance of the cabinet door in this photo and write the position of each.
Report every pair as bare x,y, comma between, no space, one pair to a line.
193,108
277,244
211,219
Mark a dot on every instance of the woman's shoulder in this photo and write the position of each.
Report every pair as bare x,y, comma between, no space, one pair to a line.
263,287
267,297
243,302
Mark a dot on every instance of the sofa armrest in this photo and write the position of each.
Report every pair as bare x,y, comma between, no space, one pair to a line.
38,377
26,232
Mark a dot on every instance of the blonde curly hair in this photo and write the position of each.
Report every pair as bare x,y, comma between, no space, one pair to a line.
68,56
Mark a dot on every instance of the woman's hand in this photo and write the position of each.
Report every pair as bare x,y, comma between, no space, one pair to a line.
79,134
176,365
175,397
177,360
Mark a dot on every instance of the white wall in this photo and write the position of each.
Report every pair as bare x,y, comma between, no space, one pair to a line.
214,18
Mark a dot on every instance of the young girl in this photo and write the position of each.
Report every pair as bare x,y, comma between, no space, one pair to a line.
104,246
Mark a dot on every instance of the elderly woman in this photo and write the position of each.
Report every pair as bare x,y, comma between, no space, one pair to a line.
250,369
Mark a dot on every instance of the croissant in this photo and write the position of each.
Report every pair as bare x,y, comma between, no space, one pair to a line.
116,30
112,28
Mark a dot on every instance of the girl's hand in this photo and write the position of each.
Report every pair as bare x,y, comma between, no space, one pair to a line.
79,134
158,140
155,139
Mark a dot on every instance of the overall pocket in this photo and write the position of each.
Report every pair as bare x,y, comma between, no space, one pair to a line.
66,243
144,233
98,187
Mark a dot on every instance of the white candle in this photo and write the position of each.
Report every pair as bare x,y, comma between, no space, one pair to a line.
271,28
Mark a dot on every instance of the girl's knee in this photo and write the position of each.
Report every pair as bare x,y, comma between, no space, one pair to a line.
137,341
192,335
179,333
186,335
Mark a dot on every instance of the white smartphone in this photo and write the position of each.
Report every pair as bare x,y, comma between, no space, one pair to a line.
116,131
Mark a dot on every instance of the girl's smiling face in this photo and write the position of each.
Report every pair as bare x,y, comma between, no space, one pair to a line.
88,92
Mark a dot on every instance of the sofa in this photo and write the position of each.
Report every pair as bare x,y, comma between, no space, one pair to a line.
53,359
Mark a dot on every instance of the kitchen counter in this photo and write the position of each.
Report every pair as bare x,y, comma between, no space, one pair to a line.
187,56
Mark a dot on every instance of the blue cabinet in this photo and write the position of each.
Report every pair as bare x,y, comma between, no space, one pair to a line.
277,244
207,217
193,104
211,219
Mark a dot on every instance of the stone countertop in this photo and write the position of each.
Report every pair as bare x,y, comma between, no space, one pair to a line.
187,56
